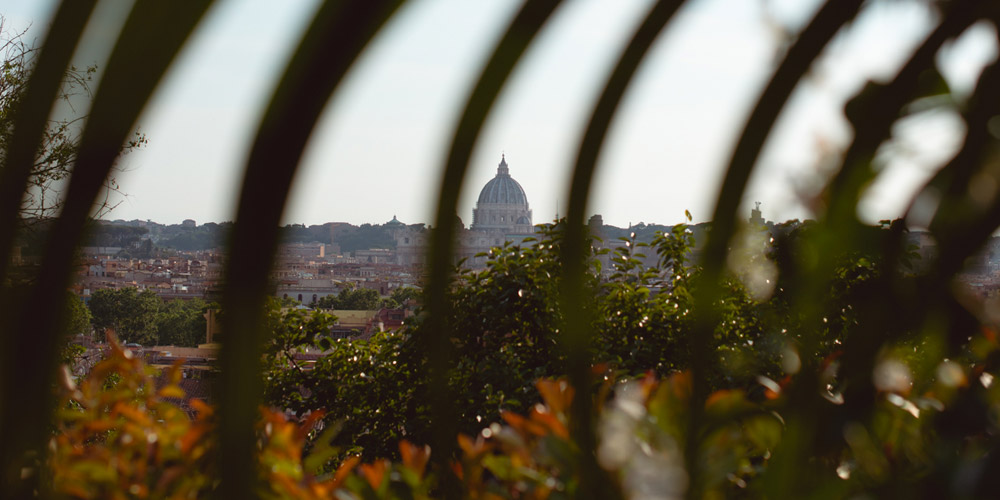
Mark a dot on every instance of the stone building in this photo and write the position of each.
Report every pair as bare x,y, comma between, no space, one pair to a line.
502,214
502,205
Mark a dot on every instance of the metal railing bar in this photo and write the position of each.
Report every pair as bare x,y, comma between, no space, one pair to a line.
153,34
46,77
337,35
882,107
872,113
825,24
29,126
576,338
437,345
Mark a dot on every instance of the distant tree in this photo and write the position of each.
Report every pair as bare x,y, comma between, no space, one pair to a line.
57,153
181,323
355,299
112,235
77,316
327,302
353,238
506,318
130,313
288,302
399,297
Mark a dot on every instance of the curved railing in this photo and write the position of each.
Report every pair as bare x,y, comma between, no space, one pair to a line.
338,34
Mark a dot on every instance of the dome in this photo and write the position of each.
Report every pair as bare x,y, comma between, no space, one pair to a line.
502,205
503,189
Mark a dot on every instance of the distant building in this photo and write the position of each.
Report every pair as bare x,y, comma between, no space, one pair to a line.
375,255
301,252
756,218
502,205
502,214
189,223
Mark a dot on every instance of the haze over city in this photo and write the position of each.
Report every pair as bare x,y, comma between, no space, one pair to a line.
378,150
252,305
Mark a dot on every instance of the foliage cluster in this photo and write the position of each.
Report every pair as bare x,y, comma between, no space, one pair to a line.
144,318
125,415
506,318
121,433
203,237
60,141
364,299
886,380
351,299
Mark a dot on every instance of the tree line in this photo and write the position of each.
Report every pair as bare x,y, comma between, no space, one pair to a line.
142,317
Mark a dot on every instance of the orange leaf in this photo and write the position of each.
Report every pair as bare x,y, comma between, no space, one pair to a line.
374,472
680,385
989,334
516,421
308,424
344,470
203,409
549,420
171,391
557,394
133,414
414,457
466,444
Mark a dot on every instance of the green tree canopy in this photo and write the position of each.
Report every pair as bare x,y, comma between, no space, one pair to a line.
351,299
77,316
181,323
130,313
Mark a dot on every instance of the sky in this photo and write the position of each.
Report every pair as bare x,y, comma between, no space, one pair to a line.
379,147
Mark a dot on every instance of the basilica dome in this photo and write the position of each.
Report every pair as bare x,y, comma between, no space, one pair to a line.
503,189
502,205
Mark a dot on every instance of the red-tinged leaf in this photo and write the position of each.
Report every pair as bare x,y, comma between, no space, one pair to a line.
551,423
513,419
190,438
308,424
557,394
375,472
989,334
414,457
96,426
344,470
467,446
171,391
133,414
203,409
724,401
458,470
680,383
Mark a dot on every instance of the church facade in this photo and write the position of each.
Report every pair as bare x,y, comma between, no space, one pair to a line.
502,214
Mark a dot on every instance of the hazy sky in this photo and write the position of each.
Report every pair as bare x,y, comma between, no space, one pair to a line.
379,147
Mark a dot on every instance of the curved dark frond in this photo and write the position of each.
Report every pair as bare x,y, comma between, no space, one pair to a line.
336,37
877,107
832,16
518,36
811,42
151,37
43,87
576,339
18,430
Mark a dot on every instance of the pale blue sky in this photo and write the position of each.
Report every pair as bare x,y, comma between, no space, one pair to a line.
380,144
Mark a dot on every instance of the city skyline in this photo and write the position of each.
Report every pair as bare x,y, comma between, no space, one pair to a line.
378,149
